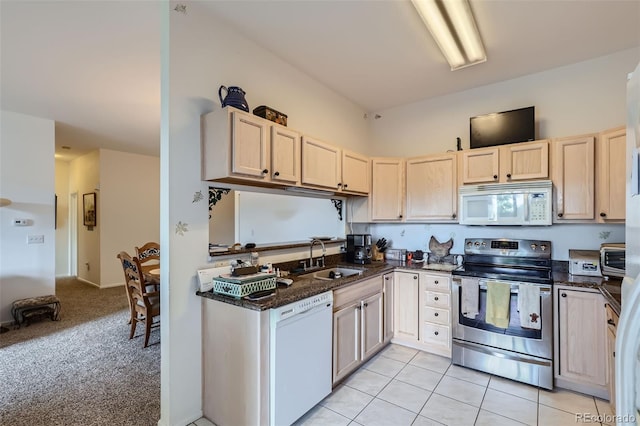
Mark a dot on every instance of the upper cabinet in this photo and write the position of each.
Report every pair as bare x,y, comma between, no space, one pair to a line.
432,191
328,166
240,147
321,163
387,189
520,161
610,175
572,172
356,172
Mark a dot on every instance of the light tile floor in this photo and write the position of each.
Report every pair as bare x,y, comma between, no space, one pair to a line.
403,386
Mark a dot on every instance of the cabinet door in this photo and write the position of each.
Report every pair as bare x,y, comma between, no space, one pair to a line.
480,165
249,150
612,324
387,291
582,339
405,308
387,189
611,186
346,340
285,155
432,192
321,163
523,161
572,172
356,172
372,325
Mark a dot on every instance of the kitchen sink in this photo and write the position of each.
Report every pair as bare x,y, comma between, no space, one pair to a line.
330,273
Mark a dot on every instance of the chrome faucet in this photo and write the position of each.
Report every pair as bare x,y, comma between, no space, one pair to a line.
315,240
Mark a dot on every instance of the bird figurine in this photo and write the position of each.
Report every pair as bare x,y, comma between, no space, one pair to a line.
439,250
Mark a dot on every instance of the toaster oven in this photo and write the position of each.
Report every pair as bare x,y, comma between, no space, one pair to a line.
612,258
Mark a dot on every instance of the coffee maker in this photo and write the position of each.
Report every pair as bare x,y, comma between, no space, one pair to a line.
359,248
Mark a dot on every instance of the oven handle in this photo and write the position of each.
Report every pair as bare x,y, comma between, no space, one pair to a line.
514,289
500,353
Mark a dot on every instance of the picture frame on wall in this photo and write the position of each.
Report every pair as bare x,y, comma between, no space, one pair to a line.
89,209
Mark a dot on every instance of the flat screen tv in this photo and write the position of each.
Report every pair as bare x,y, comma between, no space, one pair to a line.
504,127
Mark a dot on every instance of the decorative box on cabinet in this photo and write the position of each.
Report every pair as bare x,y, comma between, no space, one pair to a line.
572,173
580,341
610,175
432,189
506,163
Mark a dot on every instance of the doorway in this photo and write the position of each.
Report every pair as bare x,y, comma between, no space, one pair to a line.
73,234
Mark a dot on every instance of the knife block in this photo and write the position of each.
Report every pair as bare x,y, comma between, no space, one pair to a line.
376,255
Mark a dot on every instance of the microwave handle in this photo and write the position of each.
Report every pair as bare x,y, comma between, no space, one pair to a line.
527,200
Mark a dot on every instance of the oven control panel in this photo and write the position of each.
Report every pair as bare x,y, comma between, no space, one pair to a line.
508,247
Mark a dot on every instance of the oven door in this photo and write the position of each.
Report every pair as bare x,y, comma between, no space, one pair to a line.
514,338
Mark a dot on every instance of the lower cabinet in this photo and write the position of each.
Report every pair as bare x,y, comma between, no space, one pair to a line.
358,326
422,311
580,336
387,296
612,324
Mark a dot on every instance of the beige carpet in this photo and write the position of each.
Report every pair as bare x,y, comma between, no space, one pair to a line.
83,369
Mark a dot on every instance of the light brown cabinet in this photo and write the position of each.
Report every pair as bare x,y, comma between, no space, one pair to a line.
573,176
357,325
432,191
435,302
321,164
612,325
387,294
580,341
406,292
387,189
356,173
610,175
519,161
239,147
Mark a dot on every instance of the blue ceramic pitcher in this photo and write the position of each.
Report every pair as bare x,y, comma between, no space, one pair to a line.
234,98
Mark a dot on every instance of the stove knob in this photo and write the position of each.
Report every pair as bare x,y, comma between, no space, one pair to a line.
484,244
543,247
477,244
534,246
469,243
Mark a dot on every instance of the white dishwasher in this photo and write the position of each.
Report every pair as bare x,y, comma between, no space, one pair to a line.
300,356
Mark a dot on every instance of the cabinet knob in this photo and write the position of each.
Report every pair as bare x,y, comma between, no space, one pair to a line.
339,184
436,333
400,216
276,174
436,281
508,175
453,216
386,278
495,177
564,295
560,215
265,171
611,322
345,185
415,277
436,298
366,304
436,314
603,214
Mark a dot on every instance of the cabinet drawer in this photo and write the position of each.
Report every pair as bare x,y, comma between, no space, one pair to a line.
437,283
437,315
356,292
435,334
437,300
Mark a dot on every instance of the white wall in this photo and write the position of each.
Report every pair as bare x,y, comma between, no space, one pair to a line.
204,54
62,221
84,178
26,178
581,98
129,208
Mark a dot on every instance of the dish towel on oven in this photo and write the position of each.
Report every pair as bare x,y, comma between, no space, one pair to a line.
470,297
498,301
529,306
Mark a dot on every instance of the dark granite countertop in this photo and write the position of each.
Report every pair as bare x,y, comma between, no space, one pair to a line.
610,288
273,247
305,287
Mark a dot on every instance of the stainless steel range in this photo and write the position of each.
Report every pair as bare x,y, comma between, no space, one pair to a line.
502,310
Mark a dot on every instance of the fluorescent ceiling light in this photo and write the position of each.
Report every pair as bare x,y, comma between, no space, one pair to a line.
451,24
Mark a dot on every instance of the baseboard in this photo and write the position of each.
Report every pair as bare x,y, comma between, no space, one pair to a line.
187,421
112,285
88,282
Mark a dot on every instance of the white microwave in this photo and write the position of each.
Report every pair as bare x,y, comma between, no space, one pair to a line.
522,203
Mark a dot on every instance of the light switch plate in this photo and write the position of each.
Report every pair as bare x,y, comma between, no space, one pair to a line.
35,239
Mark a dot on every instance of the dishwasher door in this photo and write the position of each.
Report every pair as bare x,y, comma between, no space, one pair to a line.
300,357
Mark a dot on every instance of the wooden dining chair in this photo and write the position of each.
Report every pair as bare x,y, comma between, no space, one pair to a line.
149,256
144,297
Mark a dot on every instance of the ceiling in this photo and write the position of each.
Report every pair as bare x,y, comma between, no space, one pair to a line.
94,66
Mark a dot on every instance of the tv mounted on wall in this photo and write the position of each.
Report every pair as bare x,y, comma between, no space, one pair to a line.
500,128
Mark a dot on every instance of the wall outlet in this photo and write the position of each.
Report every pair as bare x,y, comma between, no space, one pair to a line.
35,239
220,264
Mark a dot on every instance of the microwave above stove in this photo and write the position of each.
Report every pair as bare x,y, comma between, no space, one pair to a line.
522,203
